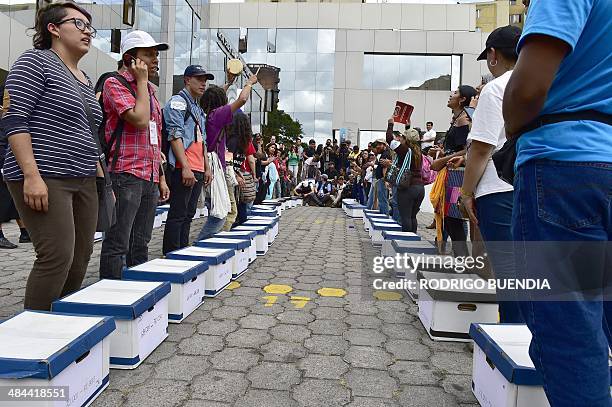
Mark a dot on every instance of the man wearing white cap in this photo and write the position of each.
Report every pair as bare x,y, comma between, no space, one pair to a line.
133,134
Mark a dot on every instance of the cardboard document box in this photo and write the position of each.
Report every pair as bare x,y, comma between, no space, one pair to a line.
270,207
220,266
354,210
140,309
377,228
261,239
43,349
242,235
447,313
375,217
187,283
389,236
240,248
272,222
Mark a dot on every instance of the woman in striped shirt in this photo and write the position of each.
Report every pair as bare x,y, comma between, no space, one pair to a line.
51,163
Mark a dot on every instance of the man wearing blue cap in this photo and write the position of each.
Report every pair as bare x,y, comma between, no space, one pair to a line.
185,125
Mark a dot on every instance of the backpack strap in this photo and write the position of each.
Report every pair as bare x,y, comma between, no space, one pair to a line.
115,135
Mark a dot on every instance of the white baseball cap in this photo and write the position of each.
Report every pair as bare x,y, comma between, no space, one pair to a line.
140,39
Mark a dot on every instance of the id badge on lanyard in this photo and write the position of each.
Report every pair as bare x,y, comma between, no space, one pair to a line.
153,134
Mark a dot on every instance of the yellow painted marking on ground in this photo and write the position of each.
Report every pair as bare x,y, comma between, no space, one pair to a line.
299,302
233,285
331,292
278,289
270,300
387,295
318,221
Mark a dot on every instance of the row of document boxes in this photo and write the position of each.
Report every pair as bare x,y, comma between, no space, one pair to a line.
119,323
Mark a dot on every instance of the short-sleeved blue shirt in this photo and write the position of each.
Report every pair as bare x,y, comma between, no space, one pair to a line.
583,82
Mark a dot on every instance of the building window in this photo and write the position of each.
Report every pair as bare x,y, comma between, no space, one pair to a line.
478,13
516,18
129,12
411,72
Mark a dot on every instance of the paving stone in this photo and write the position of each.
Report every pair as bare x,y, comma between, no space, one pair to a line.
331,302
217,326
201,345
459,347
230,312
219,385
210,304
327,344
252,282
396,317
164,392
368,357
204,403
248,338
125,379
329,313
240,301
236,359
163,351
197,316
459,386
365,337
328,327
295,317
274,376
363,321
415,373
257,321
361,308
309,279
266,398
425,396
323,367
452,362
290,333
371,383
407,350
181,368
262,309
249,291
281,351
402,331
316,393
372,402
177,332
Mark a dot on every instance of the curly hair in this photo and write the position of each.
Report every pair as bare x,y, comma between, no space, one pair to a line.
52,14
213,98
241,131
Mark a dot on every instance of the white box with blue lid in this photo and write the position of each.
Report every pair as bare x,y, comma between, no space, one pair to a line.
354,210
297,201
140,309
347,201
503,374
268,207
447,311
373,212
377,229
240,262
257,220
390,235
220,266
42,349
249,235
187,283
417,254
261,240
375,217
267,229
270,213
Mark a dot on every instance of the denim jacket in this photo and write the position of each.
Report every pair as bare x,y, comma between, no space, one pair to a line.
177,127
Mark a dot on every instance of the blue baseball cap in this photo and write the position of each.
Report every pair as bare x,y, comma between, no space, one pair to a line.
197,70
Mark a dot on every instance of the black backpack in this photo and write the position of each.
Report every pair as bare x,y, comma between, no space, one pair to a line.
104,144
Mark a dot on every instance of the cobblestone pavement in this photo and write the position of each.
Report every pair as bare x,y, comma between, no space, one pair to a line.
251,348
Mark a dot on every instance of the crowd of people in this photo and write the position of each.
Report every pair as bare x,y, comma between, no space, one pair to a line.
65,142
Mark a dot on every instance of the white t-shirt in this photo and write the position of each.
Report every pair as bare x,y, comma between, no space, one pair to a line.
488,127
429,138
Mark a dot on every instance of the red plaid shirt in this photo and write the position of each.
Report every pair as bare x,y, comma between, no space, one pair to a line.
136,154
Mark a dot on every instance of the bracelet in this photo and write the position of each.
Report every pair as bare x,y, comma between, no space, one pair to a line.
464,193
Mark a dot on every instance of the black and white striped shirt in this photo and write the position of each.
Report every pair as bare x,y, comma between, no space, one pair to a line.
43,102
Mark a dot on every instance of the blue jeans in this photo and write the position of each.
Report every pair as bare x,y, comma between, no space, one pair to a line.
495,222
371,193
244,209
566,201
395,206
211,226
383,197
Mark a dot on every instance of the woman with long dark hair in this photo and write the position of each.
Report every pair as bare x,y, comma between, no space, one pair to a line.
218,117
240,143
52,159
451,219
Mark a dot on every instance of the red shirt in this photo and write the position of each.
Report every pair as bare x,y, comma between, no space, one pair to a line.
137,155
245,165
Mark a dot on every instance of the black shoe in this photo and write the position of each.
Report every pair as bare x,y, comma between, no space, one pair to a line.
6,244
25,238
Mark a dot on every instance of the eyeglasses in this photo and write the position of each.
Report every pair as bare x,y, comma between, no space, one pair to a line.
81,25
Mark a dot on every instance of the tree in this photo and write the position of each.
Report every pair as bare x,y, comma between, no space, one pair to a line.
281,125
